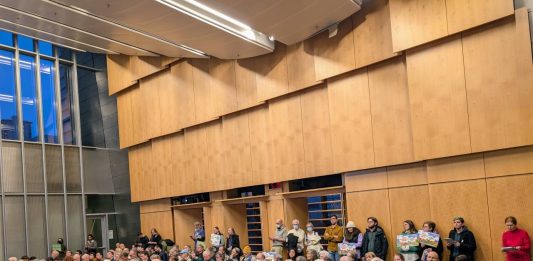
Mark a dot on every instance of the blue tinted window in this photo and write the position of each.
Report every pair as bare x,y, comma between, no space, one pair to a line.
6,38
66,103
8,100
29,99
64,53
49,101
25,43
45,48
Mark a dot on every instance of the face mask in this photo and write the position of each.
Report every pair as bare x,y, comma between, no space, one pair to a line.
309,229
295,226
278,226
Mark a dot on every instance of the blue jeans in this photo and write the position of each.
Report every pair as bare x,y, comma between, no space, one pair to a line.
334,256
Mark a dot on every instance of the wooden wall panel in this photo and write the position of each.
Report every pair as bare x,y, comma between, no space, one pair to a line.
295,208
467,199
223,86
208,224
151,126
275,210
335,55
119,73
184,225
287,138
182,92
246,83
414,22
260,145
162,162
134,171
238,157
316,132
203,101
418,212
218,170
300,65
361,205
439,111
366,180
179,160
138,113
142,66
149,187
154,205
407,175
196,162
501,91
170,103
372,33
509,162
265,225
391,118
271,73
351,123
463,167
125,118
162,221
463,15
509,196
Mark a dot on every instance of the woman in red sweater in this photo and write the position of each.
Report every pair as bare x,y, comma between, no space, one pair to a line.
515,242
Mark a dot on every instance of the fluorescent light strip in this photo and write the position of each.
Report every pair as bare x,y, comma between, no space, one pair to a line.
74,29
84,12
219,20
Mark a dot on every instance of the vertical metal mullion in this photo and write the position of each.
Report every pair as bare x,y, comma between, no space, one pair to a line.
41,139
77,126
59,119
21,137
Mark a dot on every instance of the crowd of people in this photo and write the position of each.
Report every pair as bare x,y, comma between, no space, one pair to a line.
298,244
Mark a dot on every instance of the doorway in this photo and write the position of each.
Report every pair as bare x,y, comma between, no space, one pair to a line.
97,225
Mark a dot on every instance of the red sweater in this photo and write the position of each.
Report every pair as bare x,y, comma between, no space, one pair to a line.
515,238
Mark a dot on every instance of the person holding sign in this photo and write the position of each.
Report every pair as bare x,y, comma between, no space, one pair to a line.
461,241
353,236
426,246
408,241
515,242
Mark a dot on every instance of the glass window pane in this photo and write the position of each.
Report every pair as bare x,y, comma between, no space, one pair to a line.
49,101
25,43
56,217
45,48
64,53
12,167
29,98
14,224
6,38
66,103
54,171
75,222
85,58
36,226
8,98
33,159
72,169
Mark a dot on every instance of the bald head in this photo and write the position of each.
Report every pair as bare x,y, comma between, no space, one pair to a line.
12,259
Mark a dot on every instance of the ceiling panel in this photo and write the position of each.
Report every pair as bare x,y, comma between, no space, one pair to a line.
95,25
288,21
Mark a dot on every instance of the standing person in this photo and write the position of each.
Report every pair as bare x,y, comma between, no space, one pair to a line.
410,253
333,235
374,239
515,241
232,241
199,235
354,236
299,234
217,238
433,256
155,237
461,241
60,247
279,238
312,238
430,226
142,240
91,245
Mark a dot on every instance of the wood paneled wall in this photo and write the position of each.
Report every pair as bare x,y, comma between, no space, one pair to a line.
157,214
483,188
442,99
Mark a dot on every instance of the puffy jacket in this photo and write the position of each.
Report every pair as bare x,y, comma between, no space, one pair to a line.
381,244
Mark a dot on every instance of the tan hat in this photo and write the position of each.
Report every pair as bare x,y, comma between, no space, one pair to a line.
246,250
350,224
